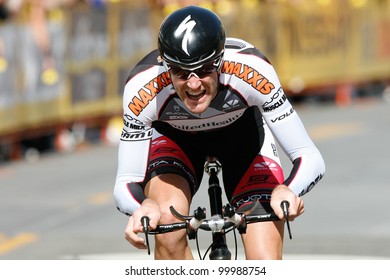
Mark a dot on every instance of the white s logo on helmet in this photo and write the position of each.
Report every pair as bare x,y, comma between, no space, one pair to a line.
185,26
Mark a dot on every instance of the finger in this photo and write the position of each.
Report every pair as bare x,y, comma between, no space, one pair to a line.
279,213
138,245
301,211
291,218
135,240
300,208
134,225
294,213
131,234
275,205
152,224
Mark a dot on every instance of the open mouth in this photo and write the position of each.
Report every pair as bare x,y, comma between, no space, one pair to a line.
196,95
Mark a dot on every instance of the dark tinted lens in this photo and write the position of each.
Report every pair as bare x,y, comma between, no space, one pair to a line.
206,70
202,72
180,72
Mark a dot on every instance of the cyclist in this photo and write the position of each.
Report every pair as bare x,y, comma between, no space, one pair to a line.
202,94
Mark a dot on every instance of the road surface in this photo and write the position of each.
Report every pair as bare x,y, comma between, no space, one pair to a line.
61,207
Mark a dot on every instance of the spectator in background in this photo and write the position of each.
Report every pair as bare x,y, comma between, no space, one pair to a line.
97,3
3,11
168,6
8,9
38,18
3,16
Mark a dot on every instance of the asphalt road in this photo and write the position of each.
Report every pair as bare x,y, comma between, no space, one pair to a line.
61,207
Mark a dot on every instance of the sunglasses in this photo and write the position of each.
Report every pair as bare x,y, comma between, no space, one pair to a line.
202,72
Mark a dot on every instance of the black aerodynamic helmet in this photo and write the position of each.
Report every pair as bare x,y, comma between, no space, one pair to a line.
190,37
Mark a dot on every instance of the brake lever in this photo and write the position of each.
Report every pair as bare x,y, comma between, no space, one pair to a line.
145,224
285,204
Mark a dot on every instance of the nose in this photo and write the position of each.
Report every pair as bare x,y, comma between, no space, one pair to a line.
193,81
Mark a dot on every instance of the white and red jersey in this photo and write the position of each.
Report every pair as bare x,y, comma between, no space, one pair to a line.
246,79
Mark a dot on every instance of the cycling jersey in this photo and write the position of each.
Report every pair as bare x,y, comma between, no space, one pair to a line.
249,89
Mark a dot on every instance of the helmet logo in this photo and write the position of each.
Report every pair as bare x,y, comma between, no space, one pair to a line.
185,26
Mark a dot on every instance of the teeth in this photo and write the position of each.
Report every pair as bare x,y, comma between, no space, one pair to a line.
195,93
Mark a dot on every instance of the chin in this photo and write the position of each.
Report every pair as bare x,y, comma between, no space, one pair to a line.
196,108
196,111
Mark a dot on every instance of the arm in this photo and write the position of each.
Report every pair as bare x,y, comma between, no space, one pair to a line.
132,163
290,133
129,195
285,125
140,109
308,165
133,149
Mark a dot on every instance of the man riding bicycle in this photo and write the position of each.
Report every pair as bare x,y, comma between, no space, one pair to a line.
202,94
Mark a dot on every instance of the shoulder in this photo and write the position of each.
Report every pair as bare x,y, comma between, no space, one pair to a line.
246,68
148,77
237,47
147,81
149,61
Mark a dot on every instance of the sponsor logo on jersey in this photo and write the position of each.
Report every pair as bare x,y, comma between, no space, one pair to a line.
254,197
159,142
231,104
271,105
208,125
132,123
311,185
266,165
148,93
276,105
274,149
136,136
169,162
283,116
249,75
274,97
176,113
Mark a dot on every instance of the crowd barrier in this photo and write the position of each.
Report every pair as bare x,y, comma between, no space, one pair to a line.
92,50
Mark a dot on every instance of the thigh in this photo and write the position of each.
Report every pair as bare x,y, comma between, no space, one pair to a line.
258,182
169,190
264,241
167,157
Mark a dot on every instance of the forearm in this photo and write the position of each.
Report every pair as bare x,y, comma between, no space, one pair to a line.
128,196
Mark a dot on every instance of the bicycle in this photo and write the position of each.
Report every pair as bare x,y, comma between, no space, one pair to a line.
223,218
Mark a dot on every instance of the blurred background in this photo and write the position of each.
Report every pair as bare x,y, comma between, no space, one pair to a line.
63,63
63,66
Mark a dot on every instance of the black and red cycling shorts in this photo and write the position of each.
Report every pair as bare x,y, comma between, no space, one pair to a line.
247,174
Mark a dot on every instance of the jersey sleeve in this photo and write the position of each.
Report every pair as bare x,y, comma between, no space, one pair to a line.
133,154
308,164
139,110
286,127
289,131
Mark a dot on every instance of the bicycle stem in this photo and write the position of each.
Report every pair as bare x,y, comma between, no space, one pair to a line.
215,194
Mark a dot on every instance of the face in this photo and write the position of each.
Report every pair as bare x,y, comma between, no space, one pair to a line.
196,93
